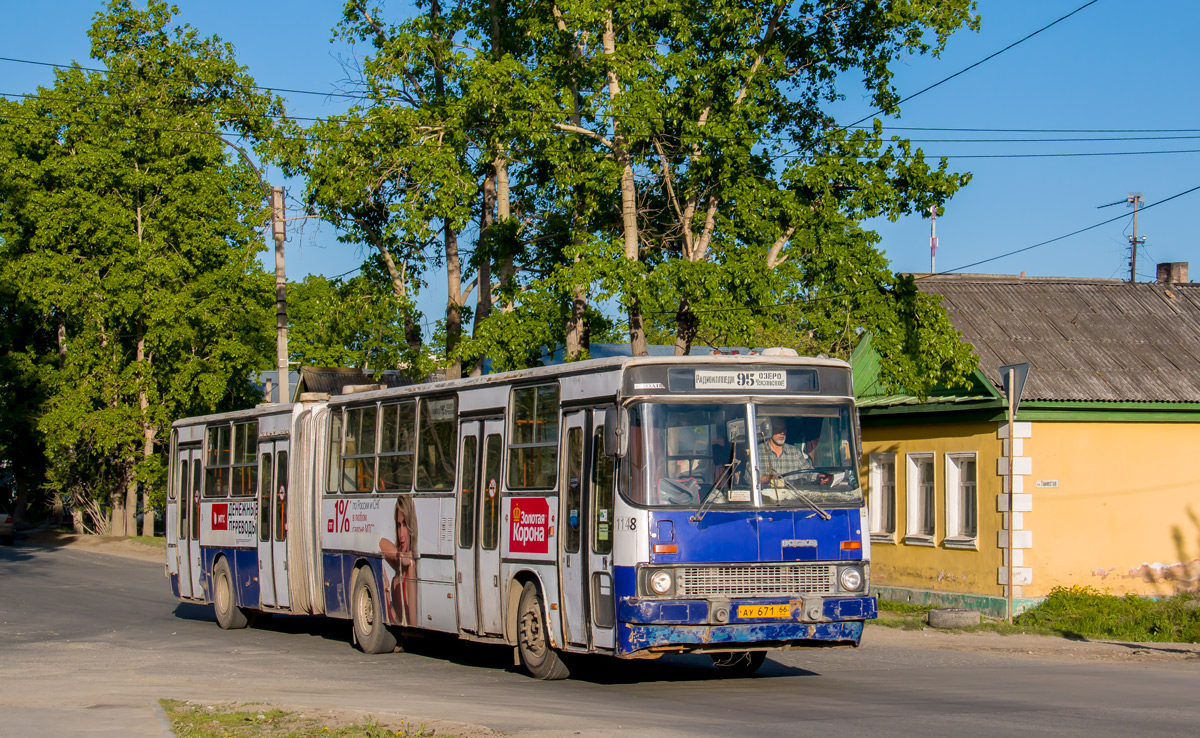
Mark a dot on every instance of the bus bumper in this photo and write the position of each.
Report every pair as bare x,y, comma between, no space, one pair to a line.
649,627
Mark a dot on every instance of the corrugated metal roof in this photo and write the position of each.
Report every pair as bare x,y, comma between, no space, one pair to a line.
1086,339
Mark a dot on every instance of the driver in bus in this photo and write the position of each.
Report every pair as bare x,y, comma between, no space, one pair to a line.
777,458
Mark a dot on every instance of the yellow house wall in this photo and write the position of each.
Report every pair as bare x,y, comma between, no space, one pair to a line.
938,567
1127,503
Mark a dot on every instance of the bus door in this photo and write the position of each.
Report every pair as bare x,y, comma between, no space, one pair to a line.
190,584
572,565
272,523
179,526
487,562
468,523
598,533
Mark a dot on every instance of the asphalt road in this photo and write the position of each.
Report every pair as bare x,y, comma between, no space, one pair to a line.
88,641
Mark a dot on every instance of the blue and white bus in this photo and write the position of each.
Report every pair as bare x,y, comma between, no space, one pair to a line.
628,506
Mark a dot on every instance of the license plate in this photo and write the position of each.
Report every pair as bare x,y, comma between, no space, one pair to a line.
764,611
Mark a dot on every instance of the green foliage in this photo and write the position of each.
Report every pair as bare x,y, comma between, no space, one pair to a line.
1087,612
356,322
710,119
129,233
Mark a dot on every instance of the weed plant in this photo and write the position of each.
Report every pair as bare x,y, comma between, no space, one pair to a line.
1082,611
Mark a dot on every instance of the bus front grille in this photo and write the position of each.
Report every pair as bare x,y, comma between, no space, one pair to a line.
755,581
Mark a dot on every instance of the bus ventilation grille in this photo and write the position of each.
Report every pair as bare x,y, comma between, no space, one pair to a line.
755,581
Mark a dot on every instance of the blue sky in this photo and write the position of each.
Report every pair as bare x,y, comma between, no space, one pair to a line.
1113,67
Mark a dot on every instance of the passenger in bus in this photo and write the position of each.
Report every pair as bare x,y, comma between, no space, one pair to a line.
401,556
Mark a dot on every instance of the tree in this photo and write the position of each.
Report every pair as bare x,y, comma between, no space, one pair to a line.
678,156
130,226
352,322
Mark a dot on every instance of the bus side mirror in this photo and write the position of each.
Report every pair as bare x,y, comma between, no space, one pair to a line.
616,432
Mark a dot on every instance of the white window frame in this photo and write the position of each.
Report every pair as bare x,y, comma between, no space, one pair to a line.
914,507
878,495
958,494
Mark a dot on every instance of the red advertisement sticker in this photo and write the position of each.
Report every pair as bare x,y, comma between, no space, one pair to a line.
220,516
529,525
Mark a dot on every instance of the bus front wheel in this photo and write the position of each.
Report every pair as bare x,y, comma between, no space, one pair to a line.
739,663
370,632
229,615
533,645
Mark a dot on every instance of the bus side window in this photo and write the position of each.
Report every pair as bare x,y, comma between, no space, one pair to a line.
281,486
437,419
264,499
358,455
195,514
602,496
574,488
335,450
466,495
490,537
396,447
533,437
184,500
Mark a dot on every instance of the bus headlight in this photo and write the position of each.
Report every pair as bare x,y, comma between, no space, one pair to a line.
851,578
660,582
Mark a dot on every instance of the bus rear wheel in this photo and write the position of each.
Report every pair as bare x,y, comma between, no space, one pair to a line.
739,663
229,615
533,645
370,632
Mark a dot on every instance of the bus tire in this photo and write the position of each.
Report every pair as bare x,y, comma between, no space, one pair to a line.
533,644
229,615
370,632
739,663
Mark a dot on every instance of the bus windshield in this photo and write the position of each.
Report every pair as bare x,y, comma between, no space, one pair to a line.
693,454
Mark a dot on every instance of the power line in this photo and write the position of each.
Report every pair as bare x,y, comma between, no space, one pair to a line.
964,70
1068,235
344,123
852,293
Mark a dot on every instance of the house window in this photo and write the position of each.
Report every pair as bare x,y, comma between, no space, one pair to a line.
920,493
962,501
883,497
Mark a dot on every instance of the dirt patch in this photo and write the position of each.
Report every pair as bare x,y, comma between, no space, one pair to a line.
114,545
263,720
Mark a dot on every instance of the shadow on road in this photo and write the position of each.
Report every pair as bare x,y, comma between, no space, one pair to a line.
593,669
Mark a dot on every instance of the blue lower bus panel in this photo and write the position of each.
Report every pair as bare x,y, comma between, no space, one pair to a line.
689,626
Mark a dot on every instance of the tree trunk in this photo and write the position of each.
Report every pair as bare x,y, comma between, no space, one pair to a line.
453,303
629,223
483,278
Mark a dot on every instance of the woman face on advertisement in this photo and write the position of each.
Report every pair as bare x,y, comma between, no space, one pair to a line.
403,534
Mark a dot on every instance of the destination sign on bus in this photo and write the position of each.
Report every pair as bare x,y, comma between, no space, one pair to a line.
742,380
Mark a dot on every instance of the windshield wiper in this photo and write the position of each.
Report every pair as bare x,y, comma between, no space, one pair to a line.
725,476
803,497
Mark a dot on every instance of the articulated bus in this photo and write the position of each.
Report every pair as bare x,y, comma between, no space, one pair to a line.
628,506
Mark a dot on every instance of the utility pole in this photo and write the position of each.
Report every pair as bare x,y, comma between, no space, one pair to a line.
278,229
932,238
1134,241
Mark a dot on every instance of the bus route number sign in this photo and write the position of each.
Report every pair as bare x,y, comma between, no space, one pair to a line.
741,380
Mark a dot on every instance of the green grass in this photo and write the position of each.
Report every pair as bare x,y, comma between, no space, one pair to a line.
158,542
903,608
189,720
1089,613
